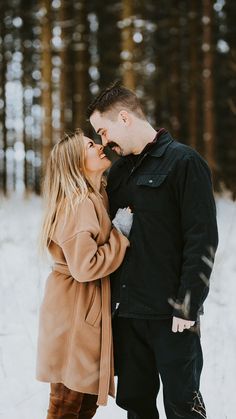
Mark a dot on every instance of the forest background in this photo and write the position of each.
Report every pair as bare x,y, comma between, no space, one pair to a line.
55,56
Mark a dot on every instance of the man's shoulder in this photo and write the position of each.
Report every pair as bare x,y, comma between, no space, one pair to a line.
179,151
182,158
182,150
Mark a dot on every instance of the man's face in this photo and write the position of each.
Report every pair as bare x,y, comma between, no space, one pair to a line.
113,132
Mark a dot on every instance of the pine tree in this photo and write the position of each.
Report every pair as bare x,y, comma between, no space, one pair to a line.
208,84
46,86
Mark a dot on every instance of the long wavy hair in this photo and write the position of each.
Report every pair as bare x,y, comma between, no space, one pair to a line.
65,182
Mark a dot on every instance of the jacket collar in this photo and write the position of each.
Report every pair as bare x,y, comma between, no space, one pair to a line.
159,148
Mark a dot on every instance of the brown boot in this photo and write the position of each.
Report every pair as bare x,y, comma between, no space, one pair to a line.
69,404
88,407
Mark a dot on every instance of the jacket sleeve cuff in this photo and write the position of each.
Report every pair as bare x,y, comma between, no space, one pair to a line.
192,314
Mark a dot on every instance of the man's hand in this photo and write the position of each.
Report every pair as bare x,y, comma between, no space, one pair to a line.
178,325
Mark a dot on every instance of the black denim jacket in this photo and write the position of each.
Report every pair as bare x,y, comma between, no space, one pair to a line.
174,235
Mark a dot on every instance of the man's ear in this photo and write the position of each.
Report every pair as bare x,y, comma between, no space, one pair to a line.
124,117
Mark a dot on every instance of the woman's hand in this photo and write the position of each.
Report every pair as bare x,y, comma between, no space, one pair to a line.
123,221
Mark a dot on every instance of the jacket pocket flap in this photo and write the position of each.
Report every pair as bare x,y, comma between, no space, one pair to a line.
151,180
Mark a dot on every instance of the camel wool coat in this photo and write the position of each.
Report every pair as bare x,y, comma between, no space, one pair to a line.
75,337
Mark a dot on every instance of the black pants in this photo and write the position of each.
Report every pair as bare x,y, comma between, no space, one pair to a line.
146,350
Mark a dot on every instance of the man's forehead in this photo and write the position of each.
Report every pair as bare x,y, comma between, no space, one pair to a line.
98,121
95,118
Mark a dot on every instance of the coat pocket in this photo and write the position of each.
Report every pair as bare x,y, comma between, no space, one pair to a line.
94,314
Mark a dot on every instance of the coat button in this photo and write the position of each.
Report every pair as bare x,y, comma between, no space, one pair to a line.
150,181
123,286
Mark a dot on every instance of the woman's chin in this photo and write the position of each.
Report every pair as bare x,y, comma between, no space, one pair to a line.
107,163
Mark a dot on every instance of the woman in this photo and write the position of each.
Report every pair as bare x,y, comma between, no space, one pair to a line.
75,341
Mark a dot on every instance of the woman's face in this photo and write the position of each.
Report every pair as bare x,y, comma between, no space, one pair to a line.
95,159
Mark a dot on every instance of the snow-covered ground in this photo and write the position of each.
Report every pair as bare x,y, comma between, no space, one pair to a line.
22,277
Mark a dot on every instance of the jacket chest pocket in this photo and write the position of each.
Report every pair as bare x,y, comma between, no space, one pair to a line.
151,191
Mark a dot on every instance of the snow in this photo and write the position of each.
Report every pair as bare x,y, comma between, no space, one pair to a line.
22,278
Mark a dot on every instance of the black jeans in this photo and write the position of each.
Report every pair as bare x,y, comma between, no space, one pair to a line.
146,350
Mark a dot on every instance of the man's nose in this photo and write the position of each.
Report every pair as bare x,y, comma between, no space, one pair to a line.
100,147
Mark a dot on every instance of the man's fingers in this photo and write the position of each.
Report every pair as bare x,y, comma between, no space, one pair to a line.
174,325
178,325
181,327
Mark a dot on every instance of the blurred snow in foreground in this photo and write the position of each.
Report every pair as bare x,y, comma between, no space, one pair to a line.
22,277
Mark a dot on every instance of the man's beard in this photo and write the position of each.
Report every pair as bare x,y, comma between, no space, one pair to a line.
113,144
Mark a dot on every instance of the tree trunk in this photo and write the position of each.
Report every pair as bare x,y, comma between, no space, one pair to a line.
175,71
66,22
161,84
193,74
128,45
81,64
3,108
46,71
208,93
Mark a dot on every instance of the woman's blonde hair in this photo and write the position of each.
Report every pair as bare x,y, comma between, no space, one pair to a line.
65,182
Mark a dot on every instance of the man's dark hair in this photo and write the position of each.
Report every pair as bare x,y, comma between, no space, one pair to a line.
116,97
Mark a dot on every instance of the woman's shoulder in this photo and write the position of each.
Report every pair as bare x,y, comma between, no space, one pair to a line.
74,218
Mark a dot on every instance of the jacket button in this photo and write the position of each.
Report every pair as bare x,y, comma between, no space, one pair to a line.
150,181
123,286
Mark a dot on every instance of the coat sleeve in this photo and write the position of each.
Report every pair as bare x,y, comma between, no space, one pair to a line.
199,233
86,260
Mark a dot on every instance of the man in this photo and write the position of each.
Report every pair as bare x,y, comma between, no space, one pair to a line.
160,288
